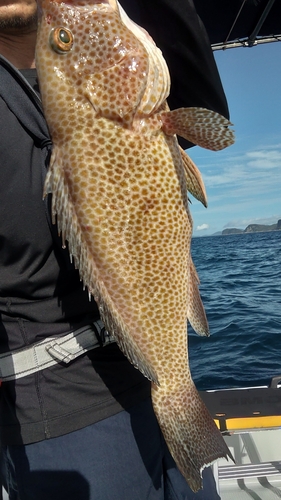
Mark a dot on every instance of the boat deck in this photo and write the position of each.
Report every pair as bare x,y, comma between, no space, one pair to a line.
257,472
250,421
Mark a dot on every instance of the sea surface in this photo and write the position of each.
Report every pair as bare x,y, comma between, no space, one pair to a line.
240,287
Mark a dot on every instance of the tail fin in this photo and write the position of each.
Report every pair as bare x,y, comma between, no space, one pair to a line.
189,431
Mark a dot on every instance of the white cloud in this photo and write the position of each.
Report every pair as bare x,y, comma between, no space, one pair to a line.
251,168
264,159
202,227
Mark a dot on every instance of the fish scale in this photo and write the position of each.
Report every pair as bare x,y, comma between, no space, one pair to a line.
119,183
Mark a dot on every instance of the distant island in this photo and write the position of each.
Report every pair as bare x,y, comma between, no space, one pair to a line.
254,228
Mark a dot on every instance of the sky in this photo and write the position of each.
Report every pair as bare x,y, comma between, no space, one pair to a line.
243,182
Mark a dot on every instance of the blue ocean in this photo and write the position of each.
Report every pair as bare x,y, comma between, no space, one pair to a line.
240,287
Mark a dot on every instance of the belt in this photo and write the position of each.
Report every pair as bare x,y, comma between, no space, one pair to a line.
45,353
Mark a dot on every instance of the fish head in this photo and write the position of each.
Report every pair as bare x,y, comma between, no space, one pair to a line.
91,52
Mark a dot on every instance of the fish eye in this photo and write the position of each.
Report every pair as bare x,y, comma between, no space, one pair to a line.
61,40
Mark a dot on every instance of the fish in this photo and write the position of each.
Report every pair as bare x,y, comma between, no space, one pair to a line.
120,186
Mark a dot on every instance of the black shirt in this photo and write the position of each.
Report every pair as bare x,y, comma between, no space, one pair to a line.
41,295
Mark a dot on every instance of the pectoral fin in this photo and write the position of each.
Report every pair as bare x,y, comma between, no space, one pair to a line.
200,126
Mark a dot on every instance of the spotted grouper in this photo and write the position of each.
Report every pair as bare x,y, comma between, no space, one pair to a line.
119,184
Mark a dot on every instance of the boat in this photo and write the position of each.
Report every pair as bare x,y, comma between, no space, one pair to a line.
250,422
240,23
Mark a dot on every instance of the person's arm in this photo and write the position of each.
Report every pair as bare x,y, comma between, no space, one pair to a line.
179,33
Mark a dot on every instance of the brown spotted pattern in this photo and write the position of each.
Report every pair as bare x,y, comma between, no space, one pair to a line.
119,192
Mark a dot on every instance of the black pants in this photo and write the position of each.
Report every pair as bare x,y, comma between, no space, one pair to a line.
123,457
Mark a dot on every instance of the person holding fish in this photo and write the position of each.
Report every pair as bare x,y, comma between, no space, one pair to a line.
86,281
